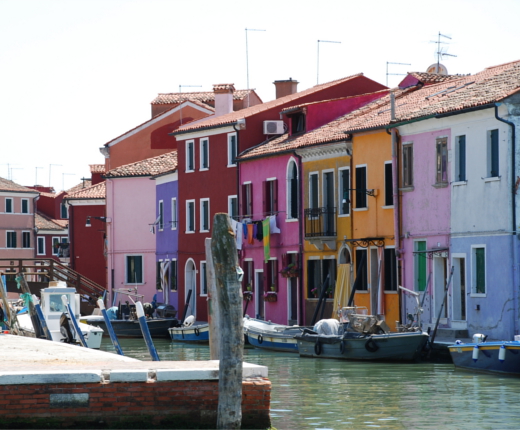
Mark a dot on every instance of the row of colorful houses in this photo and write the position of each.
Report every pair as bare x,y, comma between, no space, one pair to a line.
345,184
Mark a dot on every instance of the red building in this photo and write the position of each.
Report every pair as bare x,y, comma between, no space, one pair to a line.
207,167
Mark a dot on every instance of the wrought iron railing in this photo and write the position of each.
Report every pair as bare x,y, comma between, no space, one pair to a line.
320,222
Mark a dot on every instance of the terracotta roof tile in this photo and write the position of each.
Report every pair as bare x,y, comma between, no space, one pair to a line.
433,78
93,192
149,167
201,96
97,168
7,185
224,87
43,222
232,117
82,185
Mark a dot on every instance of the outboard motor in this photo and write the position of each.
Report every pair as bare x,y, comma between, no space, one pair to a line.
66,330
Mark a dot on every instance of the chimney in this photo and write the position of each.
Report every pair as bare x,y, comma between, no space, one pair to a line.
223,98
285,88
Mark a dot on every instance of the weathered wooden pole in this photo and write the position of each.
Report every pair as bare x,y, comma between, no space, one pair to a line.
229,297
213,314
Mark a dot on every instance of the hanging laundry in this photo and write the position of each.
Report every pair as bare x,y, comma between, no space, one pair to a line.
251,234
237,229
244,228
259,235
272,225
266,238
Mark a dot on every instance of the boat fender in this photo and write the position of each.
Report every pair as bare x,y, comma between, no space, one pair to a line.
260,339
371,345
342,347
197,332
502,353
475,353
317,348
188,322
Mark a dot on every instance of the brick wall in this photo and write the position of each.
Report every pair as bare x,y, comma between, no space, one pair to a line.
173,405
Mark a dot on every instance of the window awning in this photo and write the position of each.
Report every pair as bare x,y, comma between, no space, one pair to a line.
365,242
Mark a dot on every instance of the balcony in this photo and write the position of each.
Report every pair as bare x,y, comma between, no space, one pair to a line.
320,227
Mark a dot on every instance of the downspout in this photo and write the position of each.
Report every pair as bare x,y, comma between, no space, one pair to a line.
395,196
300,234
513,212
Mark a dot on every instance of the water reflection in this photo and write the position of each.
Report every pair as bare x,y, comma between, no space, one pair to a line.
323,394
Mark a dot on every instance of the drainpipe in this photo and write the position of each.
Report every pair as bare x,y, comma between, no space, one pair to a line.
513,211
395,196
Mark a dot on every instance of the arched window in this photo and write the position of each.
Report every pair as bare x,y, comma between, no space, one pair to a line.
292,190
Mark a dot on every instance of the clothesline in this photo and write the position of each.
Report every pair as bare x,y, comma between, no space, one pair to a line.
261,214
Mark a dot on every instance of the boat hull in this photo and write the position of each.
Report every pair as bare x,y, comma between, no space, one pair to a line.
488,357
158,327
197,333
383,347
267,335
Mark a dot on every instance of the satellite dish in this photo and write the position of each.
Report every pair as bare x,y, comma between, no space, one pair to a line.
437,68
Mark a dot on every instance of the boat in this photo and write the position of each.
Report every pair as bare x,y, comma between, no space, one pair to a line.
57,319
190,331
491,357
358,336
271,336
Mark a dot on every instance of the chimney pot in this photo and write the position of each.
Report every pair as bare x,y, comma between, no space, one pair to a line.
223,98
285,88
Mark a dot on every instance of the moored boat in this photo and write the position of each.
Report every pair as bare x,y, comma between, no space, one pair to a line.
130,327
271,336
493,357
194,332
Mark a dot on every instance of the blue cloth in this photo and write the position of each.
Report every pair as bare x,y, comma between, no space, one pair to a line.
112,313
244,227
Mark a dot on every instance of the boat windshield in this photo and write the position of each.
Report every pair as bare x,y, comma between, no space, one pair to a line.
55,303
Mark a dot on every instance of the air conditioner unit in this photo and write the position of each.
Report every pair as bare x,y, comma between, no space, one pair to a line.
274,127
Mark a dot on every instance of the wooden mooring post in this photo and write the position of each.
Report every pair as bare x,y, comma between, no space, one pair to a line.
213,314
229,297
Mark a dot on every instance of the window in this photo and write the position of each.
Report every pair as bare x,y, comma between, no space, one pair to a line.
55,245
344,191
390,265
407,165
247,199
233,207
271,278
190,216
203,279
361,187
134,269
174,213
232,149
204,215
161,215
441,148
493,165
8,205
479,269
297,123
314,201
420,266
361,269
314,277
64,211
190,156
270,197
249,272
41,246
173,276
204,154
389,186
292,191
460,158
11,239
25,206
26,239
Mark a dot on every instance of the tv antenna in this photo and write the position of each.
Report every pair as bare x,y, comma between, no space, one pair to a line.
395,74
318,58
441,52
247,61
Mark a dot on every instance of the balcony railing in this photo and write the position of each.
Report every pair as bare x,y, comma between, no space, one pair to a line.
320,222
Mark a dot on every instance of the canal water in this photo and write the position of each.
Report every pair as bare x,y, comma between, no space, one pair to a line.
310,393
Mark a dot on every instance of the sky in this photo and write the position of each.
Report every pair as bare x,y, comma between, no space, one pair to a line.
75,74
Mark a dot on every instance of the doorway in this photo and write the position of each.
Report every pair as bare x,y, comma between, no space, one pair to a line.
259,294
190,285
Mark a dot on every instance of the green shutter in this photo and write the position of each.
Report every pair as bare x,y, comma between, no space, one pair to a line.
480,262
421,266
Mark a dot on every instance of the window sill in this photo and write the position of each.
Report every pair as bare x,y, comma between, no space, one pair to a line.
477,295
440,185
203,231
407,189
387,207
492,179
360,209
459,183
292,220
362,291
231,165
189,232
343,215
203,169
189,171
390,292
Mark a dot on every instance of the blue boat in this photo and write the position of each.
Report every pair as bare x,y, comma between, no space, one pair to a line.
493,357
271,336
195,333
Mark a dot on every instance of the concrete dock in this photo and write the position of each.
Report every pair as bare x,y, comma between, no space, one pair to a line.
46,383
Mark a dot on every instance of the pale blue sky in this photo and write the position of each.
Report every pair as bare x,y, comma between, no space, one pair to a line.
75,74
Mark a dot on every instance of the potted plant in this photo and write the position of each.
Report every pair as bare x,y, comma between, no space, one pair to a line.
314,292
270,296
249,287
248,295
290,271
273,287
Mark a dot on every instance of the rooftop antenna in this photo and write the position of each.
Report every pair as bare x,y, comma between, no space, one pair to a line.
396,74
318,59
440,51
180,91
84,179
50,167
247,61
11,171
36,175
63,180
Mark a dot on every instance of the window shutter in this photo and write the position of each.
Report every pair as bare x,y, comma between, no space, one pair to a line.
389,194
275,195
264,197
481,271
494,153
462,158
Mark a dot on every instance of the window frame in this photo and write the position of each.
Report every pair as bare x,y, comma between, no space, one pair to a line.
160,209
341,193
292,195
64,210
203,152
441,160
270,196
190,158
361,193
175,219
26,234
203,278
202,220
10,239
247,199
127,281
11,204
407,178
55,250
190,204
314,190
26,201
389,185
460,159
232,147
474,271
230,207
493,152
42,240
